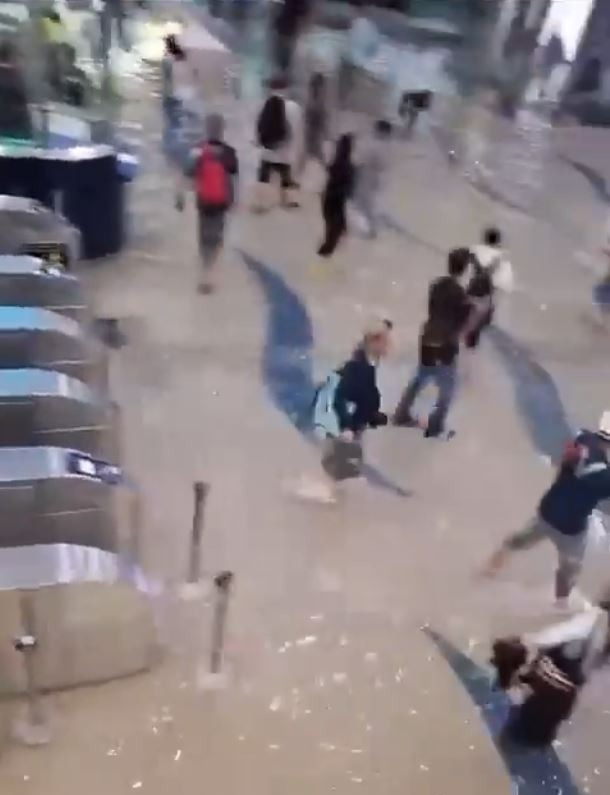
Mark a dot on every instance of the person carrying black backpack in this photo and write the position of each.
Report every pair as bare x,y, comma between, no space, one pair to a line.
279,132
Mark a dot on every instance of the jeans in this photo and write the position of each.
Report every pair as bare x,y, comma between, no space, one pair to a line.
444,376
570,551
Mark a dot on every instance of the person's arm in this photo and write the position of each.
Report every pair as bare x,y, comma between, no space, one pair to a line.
232,166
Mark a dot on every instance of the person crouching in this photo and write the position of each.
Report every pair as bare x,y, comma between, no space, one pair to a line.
547,670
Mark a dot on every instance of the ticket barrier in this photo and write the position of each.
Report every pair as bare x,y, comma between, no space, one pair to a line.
46,408
39,338
69,527
32,282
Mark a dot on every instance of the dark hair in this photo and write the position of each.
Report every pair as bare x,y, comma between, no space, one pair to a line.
173,47
458,261
492,236
509,654
383,128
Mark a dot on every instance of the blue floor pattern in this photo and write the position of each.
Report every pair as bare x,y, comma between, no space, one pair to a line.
536,394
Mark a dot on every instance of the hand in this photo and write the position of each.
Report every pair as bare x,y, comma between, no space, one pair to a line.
347,435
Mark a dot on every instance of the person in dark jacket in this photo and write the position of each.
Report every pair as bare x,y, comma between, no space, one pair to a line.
564,513
356,406
339,188
448,310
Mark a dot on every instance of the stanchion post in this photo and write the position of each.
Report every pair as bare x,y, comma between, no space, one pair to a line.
32,729
200,491
222,583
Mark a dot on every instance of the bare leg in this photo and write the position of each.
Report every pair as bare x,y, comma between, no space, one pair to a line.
209,257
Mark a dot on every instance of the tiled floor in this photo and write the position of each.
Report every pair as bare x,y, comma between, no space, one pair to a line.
336,678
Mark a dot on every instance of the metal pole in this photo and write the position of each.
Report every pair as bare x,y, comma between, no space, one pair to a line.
200,491
223,583
33,729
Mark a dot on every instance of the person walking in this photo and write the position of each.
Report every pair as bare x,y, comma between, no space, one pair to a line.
280,138
315,119
448,310
339,187
346,405
174,91
214,171
565,511
492,271
373,167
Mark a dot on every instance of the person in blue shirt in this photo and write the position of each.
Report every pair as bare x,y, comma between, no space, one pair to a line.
582,482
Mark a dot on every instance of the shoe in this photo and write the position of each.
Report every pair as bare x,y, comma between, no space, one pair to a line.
443,436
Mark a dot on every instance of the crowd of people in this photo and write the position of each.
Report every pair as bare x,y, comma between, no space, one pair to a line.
461,305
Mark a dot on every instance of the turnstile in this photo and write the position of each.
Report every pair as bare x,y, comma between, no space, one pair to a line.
43,407
27,226
32,337
31,282
68,521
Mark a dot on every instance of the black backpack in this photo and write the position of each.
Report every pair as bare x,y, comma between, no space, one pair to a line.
481,285
272,128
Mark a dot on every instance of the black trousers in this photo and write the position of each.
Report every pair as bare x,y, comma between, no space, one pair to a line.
333,211
283,170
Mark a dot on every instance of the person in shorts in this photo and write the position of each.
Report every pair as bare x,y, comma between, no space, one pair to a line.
564,513
280,139
215,171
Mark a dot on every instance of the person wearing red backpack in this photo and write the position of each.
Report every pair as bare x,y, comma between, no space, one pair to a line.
214,171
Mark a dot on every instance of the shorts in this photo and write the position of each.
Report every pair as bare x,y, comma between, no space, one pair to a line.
283,169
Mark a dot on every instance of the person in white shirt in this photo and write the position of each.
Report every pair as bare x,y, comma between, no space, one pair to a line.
280,138
492,272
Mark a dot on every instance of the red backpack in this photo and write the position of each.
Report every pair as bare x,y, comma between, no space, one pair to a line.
212,180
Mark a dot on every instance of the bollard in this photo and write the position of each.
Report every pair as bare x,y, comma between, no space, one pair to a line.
201,491
32,728
222,583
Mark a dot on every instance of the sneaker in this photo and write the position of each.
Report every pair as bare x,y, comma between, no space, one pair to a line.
444,435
